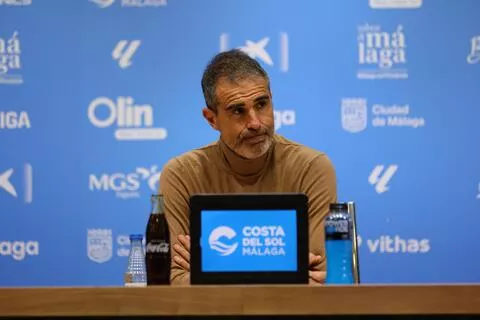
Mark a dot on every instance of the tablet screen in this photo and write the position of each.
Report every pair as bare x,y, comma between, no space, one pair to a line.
248,240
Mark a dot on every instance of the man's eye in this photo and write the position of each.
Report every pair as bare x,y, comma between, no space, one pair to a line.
262,104
237,110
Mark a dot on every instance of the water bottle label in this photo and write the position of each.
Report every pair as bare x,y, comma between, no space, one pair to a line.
337,230
336,226
136,284
127,278
128,281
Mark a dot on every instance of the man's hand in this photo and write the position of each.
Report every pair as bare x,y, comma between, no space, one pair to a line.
315,277
182,252
182,257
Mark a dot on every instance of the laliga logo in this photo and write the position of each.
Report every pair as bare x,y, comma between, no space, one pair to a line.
222,248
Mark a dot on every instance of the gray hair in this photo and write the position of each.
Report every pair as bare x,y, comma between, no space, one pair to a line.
232,65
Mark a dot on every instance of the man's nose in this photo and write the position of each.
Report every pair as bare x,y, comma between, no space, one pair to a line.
253,122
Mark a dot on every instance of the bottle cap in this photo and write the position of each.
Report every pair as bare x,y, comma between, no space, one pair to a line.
341,206
136,237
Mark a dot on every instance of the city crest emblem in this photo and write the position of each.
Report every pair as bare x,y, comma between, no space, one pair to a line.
99,245
354,115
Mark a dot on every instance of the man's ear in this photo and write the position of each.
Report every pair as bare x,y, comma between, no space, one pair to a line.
211,117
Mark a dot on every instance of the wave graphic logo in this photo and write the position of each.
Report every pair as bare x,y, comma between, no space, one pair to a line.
222,248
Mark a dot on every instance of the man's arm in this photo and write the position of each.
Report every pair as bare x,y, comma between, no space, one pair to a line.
176,200
319,184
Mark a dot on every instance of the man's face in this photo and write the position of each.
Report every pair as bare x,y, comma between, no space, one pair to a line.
244,116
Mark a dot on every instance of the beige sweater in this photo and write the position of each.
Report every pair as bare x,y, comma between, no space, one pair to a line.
215,168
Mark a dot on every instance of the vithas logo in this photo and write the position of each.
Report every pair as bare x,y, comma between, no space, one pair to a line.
133,121
124,51
380,178
386,244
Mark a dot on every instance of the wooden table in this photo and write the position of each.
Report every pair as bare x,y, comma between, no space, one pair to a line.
332,301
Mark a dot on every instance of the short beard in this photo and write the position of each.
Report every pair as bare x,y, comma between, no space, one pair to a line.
239,145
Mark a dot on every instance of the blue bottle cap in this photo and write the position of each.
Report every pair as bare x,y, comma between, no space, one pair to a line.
136,237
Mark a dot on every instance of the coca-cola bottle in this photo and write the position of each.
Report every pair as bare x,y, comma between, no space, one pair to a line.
157,251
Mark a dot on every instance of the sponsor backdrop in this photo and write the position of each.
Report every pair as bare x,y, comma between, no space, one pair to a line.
97,95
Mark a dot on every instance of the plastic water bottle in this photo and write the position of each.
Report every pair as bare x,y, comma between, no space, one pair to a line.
338,245
136,275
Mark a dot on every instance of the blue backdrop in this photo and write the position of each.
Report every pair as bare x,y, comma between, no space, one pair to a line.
97,95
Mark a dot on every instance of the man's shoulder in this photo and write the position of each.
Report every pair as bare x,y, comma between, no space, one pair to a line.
293,151
192,158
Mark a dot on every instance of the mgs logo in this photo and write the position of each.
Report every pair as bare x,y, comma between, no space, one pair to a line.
126,185
215,243
99,245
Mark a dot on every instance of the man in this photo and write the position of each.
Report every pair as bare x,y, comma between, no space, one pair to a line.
248,157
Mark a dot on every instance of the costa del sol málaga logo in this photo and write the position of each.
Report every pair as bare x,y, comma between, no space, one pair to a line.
222,248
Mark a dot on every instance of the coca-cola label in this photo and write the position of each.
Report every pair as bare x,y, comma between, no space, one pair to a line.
162,247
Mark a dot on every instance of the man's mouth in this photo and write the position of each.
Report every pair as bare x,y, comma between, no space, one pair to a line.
255,139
